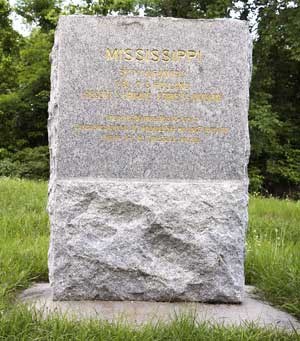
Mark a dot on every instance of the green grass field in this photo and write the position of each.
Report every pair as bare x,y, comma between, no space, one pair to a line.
272,265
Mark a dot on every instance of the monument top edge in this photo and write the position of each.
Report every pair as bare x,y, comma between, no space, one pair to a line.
66,18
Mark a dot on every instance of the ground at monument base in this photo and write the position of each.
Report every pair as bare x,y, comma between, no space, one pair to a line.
252,310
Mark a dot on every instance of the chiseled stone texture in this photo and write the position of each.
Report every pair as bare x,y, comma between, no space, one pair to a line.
140,220
115,240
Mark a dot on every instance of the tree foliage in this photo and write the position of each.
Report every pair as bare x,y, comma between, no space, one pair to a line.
43,13
275,97
24,95
274,114
188,8
9,49
24,110
104,7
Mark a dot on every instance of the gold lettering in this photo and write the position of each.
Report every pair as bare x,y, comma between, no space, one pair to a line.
162,139
191,54
110,55
189,139
206,97
128,55
142,118
174,56
169,129
172,96
199,55
181,53
112,137
94,94
124,72
152,73
147,56
123,84
155,55
165,56
140,54
132,96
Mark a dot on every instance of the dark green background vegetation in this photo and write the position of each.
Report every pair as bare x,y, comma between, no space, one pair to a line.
274,115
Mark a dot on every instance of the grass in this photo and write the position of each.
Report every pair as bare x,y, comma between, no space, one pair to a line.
24,235
272,265
273,251
21,325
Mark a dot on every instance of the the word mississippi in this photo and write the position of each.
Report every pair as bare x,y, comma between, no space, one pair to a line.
151,55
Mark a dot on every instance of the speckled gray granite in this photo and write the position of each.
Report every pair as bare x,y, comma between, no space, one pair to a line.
140,241
148,186
81,72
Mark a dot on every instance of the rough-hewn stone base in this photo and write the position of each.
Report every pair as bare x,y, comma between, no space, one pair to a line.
115,240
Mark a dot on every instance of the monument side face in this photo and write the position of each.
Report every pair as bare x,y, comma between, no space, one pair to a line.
149,148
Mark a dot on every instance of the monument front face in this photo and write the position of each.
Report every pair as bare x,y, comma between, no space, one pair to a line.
149,150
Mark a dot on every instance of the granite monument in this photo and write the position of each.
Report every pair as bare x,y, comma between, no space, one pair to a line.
149,148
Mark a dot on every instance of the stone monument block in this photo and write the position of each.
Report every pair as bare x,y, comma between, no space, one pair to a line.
149,148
